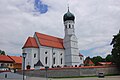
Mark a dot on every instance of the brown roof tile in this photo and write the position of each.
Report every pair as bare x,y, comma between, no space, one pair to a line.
31,43
16,59
5,58
50,41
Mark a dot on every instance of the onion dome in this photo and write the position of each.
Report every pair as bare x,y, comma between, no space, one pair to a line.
68,16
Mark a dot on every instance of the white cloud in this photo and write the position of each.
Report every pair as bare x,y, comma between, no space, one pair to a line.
96,22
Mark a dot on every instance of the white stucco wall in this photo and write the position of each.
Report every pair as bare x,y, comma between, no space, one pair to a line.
30,60
71,45
51,53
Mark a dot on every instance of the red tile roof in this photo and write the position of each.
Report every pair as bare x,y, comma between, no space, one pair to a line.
16,59
5,58
103,63
88,62
50,41
31,43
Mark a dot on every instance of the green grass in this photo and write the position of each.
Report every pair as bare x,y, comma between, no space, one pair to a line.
112,74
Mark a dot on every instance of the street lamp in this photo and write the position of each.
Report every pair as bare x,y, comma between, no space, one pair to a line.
24,56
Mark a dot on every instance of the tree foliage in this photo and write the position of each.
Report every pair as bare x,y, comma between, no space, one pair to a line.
109,58
97,59
2,52
116,49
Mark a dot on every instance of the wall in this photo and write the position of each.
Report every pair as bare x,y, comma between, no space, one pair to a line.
69,72
30,60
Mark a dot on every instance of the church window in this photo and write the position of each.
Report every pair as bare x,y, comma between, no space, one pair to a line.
61,60
46,60
34,55
46,52
54,60
53,53
72,26
65,26
69,26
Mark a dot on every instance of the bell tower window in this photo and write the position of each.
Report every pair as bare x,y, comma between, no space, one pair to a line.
69,26
72,26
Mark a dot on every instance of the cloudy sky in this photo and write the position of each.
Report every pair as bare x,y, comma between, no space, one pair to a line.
96,23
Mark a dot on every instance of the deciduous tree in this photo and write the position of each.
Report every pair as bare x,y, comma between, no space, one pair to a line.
116,49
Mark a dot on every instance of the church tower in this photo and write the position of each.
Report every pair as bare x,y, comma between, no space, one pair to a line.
71,54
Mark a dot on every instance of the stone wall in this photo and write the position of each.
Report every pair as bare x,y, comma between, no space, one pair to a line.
73,71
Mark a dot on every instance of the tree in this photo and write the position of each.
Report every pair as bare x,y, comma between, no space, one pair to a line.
109,58
97,59
2,52
116,49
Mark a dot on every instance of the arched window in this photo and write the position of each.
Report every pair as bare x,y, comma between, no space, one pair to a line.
72,26
53,53
61,60
35,55
69,26
46,60
54,60
65,26
46,52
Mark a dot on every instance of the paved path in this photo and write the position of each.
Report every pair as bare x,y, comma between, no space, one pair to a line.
93,78
14,76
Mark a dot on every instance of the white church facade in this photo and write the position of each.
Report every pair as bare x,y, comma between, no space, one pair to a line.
45,50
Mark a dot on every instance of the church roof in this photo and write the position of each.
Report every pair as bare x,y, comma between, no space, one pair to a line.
39,63
68,16
30,43
50,41
44,40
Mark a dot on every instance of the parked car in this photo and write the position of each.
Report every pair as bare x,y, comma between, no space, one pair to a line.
101,75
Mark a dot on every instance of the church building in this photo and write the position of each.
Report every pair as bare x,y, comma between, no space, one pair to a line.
45,50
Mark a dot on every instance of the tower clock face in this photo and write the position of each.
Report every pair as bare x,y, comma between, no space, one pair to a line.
73,38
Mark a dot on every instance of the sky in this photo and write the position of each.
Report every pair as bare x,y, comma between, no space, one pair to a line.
96,21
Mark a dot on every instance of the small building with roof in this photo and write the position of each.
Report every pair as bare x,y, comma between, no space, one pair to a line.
10,62
17,62
104,64
88,62
5,61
